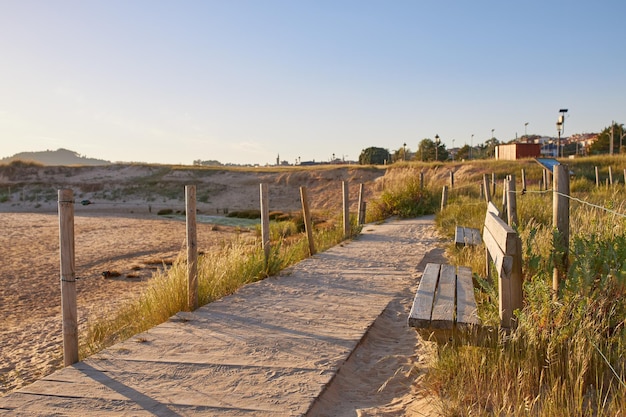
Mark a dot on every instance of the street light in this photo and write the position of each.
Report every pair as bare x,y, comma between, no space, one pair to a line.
560,127
525,131
404,152
471,145
436,147
492,133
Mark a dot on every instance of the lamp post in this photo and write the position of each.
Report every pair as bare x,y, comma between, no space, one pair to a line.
404,152
525,131
560,125
436,147
471,145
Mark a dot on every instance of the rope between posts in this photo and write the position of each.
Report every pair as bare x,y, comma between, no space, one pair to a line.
616,213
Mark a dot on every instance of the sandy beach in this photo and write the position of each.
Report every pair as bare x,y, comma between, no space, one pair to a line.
30,336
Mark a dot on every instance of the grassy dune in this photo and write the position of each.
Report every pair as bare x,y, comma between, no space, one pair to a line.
566,357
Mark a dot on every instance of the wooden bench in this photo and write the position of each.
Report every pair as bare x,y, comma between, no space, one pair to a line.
504,249
444,307
466,236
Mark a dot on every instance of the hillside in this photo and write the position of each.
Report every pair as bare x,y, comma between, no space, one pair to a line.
58,157
145,189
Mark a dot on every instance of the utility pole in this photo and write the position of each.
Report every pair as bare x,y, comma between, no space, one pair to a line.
612,135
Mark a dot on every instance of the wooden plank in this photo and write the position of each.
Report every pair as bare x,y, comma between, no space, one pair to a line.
491,208
443,306
464,236
475,233
466,309
502,233
459,236
421,311
491,245
504,264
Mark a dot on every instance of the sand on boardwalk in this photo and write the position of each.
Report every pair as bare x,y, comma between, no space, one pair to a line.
379,379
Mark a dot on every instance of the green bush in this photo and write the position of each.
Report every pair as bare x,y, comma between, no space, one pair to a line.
403,199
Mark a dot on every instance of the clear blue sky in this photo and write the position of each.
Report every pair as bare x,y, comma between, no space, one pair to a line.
241,81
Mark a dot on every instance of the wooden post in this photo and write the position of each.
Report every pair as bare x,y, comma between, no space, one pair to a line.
192,247
610,176
481,190
523,179
544,181
265,221
493,183
361,215
451,179
486,187
560,220
346,209
511,208
308,225
422,179
505,196
68,277
362,212
444,197
597,177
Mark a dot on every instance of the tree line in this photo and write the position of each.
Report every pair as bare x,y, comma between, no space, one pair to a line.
429,150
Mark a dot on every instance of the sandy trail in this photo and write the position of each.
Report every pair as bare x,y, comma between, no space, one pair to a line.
378,379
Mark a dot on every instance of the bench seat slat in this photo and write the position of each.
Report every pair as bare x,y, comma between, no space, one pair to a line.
459,236
443,307
421,311
465,302
464,236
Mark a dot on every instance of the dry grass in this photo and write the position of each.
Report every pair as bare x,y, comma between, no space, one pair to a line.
566,357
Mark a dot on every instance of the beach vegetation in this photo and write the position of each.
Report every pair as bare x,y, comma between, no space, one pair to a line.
221,271
566,355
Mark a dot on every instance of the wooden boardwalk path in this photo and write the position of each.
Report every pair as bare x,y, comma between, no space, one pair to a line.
270,349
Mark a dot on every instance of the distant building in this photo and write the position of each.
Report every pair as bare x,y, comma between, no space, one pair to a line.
513,151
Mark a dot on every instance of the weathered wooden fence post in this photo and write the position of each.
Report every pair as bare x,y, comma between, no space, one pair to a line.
523,179
505,196
511,208
346,209
68,277
444,197
422,179
308,225
265,221
192,247
493,183
597,177
610,176
560,220
486,187
361,212
451,179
